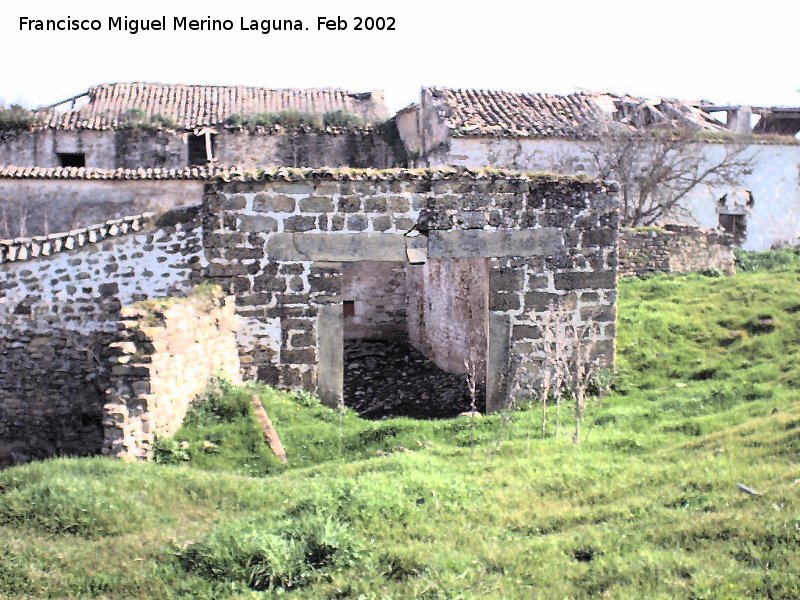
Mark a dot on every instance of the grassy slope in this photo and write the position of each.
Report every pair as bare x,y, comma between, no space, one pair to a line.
706,399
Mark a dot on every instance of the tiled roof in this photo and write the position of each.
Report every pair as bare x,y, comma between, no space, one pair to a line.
578,116
19,249
191,106
275,174
91,173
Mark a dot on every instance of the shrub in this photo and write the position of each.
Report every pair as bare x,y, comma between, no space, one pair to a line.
220,403
16,117
342,120
771,260
287,119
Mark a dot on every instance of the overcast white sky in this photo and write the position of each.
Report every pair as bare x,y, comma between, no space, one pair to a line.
744,53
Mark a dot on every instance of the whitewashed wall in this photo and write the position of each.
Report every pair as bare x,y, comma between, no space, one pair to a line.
774,182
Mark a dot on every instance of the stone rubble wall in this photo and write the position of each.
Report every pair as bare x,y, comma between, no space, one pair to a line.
60,301
51,393
674,249
164,356
133,148
278,240
80,279
378,291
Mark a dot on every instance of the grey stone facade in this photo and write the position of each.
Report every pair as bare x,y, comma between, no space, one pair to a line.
472,261
279,242
674,249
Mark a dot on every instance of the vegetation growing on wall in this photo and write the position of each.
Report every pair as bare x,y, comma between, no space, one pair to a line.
136,118
294,120
16,117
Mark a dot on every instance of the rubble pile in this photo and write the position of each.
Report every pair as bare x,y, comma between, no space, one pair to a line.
391,379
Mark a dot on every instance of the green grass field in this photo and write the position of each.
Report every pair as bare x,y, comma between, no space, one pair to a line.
647,506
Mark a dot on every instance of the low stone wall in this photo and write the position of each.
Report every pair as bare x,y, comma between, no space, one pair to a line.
52,385
674,249
166,353
60,300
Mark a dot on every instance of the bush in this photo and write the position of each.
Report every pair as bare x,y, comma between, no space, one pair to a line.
342,120
770,260
291,555
16,117
220,403
287,119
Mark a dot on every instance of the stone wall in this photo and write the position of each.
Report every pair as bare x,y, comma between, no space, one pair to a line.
447,313
360,149
134,148
60,300
674,249
278,241
378,293
35,206
773,182
52,383
163,357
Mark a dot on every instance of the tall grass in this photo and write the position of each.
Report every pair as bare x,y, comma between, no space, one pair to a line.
647,506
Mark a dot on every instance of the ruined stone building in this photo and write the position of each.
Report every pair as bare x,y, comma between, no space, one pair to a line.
153,235
460,265
179,127
531,131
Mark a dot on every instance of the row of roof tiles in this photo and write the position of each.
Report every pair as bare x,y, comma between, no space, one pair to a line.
267,174
193,106
463,111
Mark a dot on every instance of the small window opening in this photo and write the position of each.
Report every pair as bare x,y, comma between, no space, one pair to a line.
349,308
71,159
202,149
736,225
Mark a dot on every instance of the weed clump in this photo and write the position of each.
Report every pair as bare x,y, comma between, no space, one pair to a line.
63,507
290,555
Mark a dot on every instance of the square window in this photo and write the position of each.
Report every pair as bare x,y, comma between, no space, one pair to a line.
349,308
71,159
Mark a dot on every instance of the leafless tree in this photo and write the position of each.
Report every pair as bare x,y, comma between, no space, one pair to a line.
658,168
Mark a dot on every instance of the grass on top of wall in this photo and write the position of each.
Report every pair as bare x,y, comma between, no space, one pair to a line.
648,506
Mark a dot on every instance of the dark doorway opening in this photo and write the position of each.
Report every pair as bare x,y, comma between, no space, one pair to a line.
415,338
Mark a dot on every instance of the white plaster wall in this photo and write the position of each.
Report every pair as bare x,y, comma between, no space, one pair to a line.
66,287
774,181
31,207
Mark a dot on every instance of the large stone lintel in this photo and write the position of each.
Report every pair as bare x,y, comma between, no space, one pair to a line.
488,244
337,247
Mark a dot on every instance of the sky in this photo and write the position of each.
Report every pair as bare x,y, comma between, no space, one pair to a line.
724,52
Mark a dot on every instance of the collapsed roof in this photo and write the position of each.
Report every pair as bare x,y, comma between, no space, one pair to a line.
580,115
192,106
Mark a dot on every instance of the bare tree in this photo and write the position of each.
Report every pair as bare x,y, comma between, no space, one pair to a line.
657,169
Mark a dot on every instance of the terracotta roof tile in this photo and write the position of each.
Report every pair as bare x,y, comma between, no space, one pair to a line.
578,116
191,106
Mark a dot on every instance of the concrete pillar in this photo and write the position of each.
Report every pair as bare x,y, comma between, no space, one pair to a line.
739,120
497,358
330,369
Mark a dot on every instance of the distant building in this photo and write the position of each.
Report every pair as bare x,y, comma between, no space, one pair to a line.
133,125
547,132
